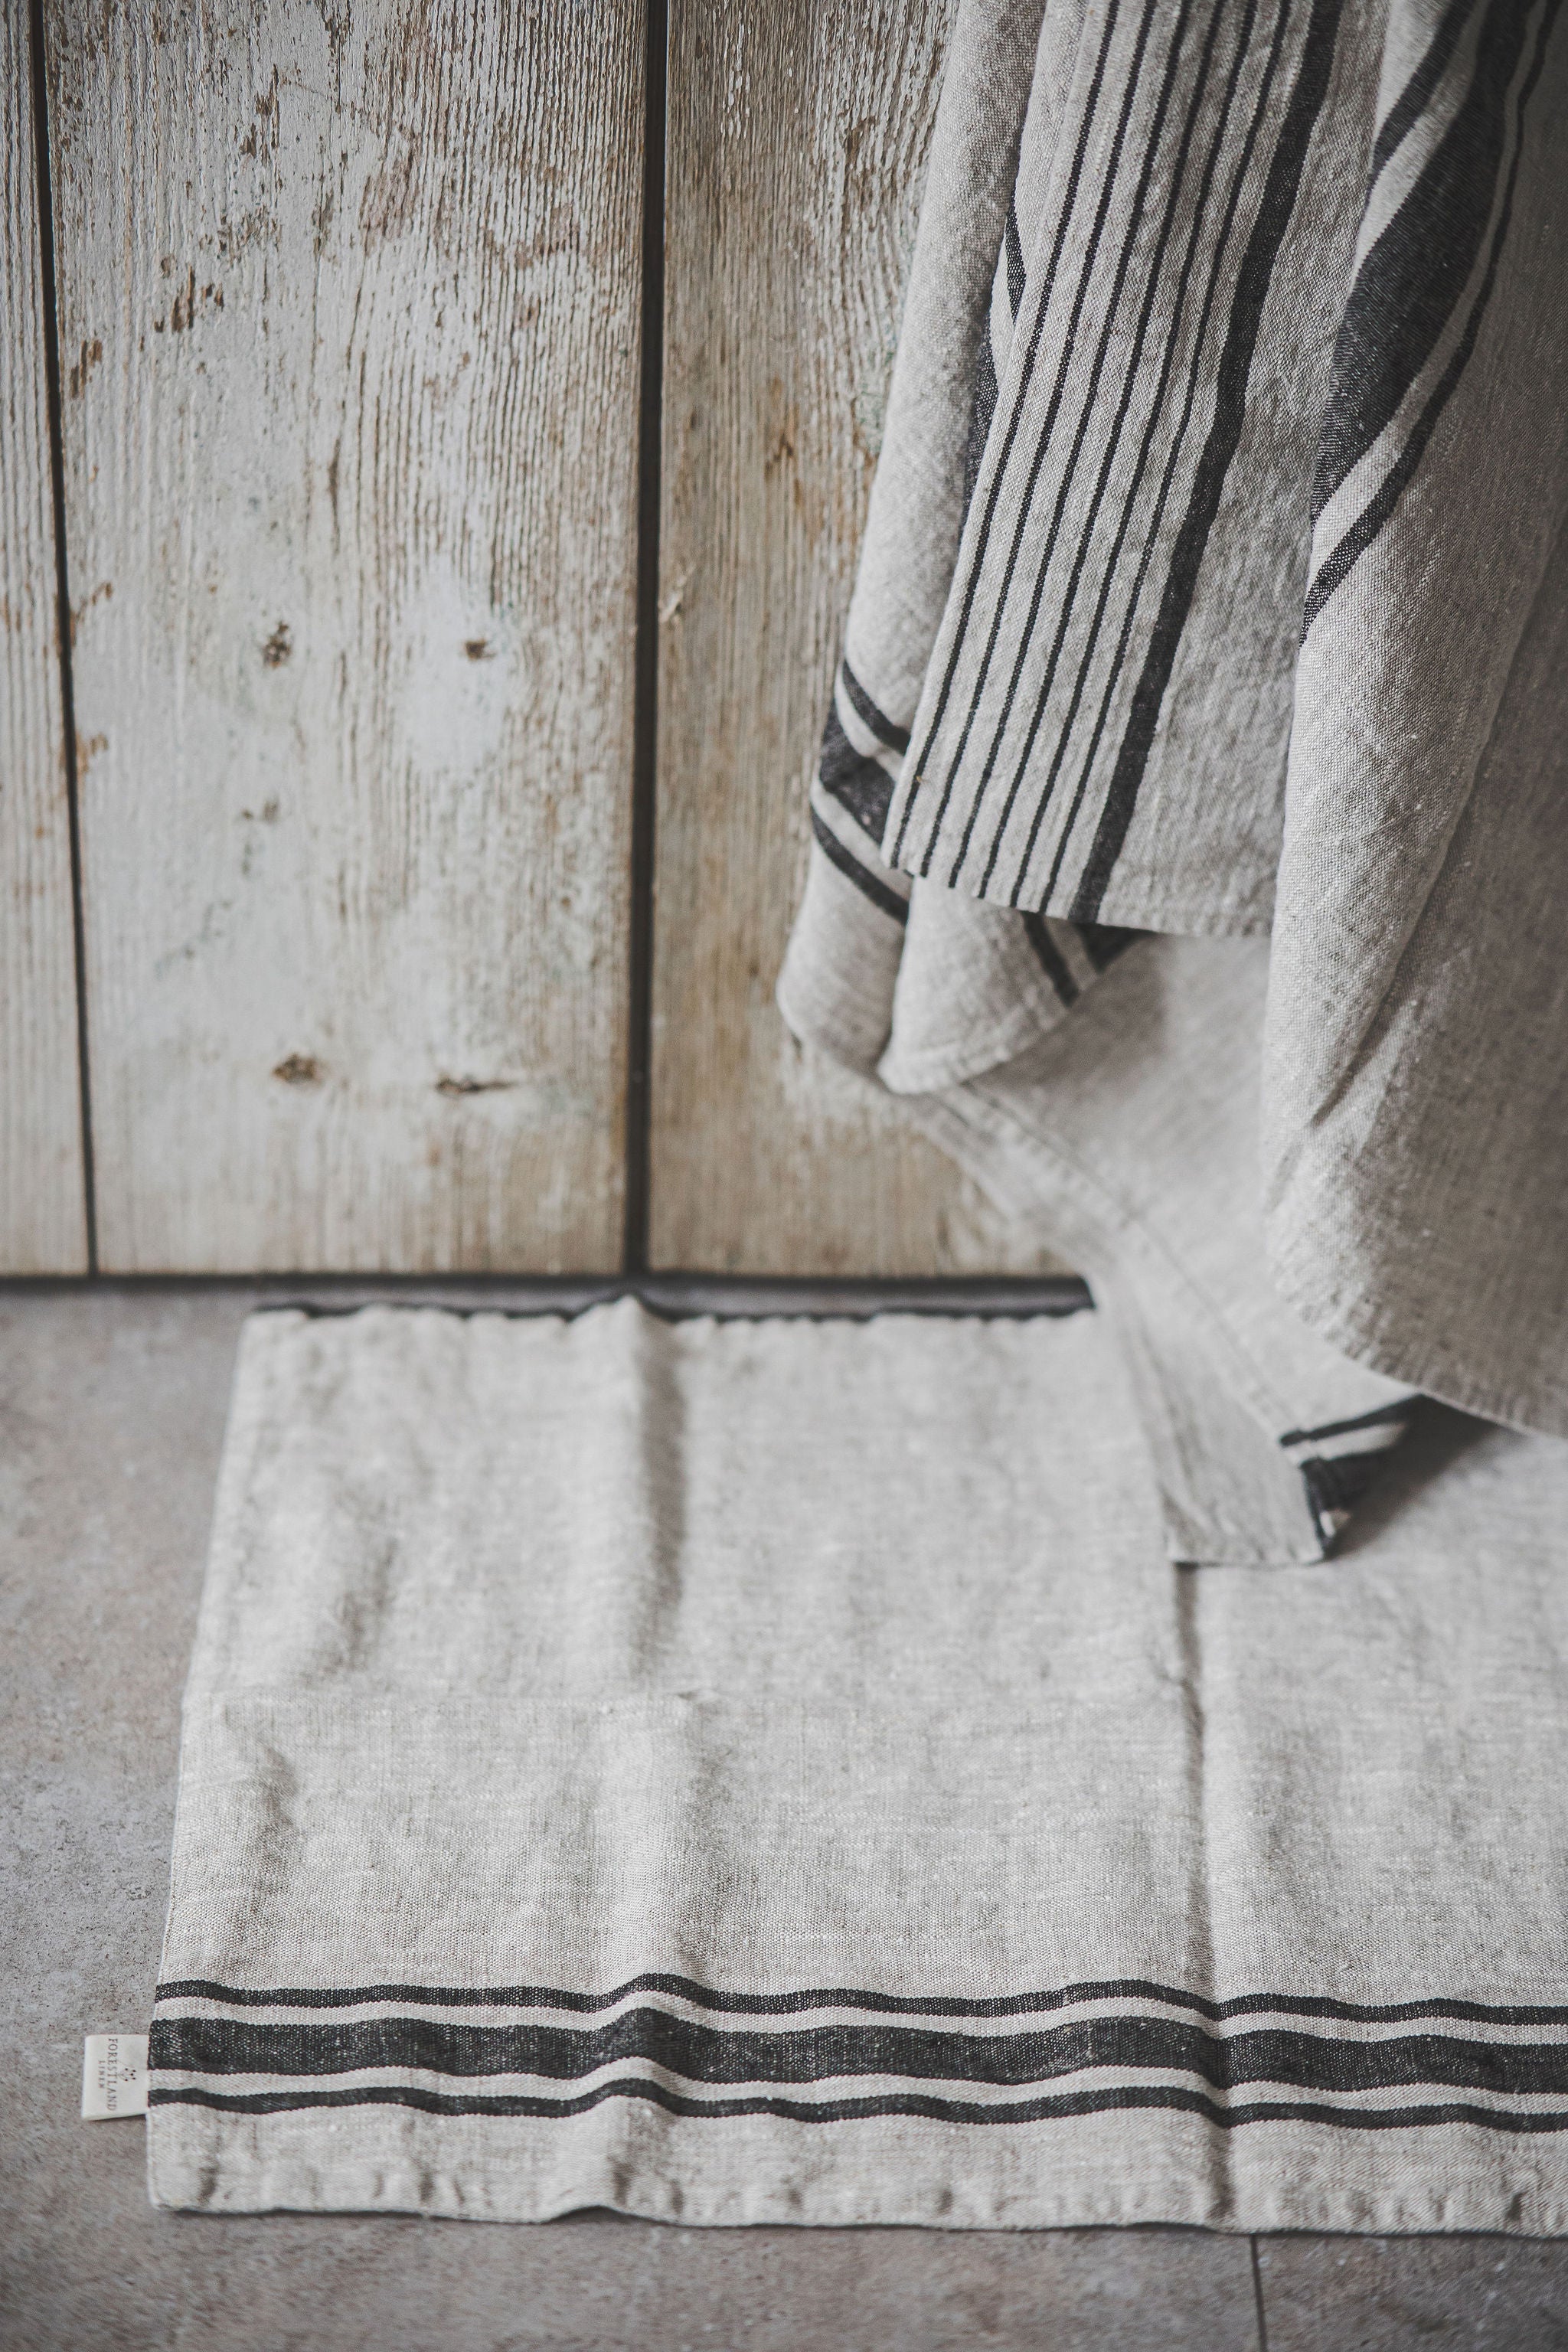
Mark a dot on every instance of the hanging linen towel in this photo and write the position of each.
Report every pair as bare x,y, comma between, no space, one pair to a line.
770,1771
1214,596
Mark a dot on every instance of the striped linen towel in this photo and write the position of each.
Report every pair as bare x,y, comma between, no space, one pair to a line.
1212,624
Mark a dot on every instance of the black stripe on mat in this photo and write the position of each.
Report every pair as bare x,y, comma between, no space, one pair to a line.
956,2111
787,2004
703,2053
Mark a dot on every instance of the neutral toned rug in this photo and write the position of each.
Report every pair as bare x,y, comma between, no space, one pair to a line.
769,1771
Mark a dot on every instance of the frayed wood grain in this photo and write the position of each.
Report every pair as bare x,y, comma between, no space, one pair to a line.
349,296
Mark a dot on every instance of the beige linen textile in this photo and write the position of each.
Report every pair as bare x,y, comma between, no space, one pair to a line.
770,1771
1214,587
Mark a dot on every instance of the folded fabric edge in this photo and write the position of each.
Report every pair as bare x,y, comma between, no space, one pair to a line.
1357,1337
1289,1491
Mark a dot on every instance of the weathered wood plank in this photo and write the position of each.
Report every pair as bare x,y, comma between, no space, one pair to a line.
348,304
797,139
42,1222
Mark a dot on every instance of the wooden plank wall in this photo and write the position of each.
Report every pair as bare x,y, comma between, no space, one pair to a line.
349,300
797,139
42,1225
349,330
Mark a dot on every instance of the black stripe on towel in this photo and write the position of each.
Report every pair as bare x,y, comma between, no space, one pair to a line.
982,410
1410,283
1334,1487
1349,1457
1045,442
897,739
1411,104
1383,1415
1014,244
1103,942
1031,355
1337,566
1157,424
1133,373
856,781
865,881
1050,958
1253,281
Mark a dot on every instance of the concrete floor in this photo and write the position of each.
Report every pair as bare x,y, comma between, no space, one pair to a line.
112,1410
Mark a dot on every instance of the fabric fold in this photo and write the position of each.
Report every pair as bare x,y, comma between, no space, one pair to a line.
1208,591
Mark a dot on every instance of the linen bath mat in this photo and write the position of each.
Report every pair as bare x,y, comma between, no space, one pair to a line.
768,1771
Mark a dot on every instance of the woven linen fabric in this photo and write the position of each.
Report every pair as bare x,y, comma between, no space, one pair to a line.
1214,590
770,1771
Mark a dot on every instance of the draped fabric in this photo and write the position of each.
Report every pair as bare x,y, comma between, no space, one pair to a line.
1214,590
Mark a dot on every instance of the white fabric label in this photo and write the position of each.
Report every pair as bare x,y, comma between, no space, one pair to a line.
113,2076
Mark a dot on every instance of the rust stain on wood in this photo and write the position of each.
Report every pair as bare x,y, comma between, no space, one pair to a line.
100,594
459,1086
82,367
